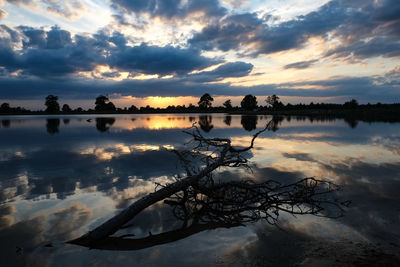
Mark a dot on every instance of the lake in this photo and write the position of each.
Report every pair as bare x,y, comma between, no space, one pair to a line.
61,176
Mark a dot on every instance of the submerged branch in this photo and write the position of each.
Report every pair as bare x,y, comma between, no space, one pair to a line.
202,204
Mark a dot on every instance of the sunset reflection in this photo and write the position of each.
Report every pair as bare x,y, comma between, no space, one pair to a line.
58,186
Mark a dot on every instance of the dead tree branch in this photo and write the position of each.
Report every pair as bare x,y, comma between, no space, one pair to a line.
202,204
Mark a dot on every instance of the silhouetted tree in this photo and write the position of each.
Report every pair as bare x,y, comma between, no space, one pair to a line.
66,108
351,104
103,104
249,102
205,123
205,101
227,104
52,125
133,108
249,122
5,108
52,104
103,124
273,101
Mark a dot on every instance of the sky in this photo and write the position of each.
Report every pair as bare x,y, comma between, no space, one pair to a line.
170,52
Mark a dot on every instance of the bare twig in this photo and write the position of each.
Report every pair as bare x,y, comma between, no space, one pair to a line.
201,203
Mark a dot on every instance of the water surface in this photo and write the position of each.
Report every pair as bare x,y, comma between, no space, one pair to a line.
61,176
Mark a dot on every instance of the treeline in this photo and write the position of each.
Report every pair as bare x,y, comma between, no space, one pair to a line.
248,105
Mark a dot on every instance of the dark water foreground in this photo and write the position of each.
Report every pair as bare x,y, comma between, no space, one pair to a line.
61,176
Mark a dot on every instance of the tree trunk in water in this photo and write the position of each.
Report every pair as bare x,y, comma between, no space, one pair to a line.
115,223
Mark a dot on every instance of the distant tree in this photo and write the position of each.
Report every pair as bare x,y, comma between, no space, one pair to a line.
249,102
79,109
5,107
52,104
205,101
351,104
273,101
147,108
227,104
104,104
133,108
66,108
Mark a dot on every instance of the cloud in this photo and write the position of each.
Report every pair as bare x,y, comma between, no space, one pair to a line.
351,22
72,9
300,64
364,89
159,60
232,32
56,53
169,9
299,156
231,69
3,14
69,9
21,2
378,46
257,37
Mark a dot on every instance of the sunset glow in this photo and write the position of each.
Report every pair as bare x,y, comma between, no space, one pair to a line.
161,55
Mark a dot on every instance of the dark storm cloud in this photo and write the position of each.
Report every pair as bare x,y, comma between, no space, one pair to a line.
349,21
56,53
35,37
365,89
170,8
112,74
232,69
159,60
387,10
299,156
20,2
249,30
230,33
379,46
49,53
8,35
300,64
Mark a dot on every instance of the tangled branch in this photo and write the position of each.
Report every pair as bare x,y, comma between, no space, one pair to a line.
201,203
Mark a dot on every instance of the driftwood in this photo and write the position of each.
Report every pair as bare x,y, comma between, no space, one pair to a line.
201,203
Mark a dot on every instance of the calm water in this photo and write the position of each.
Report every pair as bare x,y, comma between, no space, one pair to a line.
60,176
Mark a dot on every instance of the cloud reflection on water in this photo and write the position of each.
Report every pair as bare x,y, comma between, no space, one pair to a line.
87,175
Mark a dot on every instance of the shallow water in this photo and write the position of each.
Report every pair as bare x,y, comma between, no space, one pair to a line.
61,176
